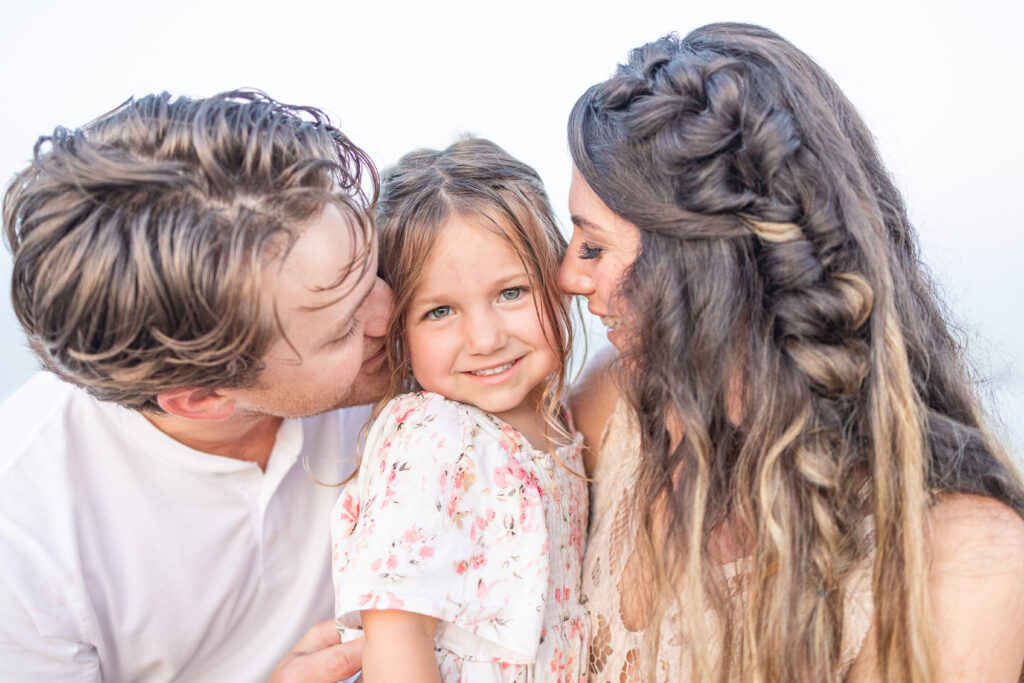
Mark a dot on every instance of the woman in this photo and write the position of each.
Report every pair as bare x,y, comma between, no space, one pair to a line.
797,484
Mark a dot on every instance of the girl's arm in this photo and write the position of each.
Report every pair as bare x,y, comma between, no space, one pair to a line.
592,400
976,584
399,647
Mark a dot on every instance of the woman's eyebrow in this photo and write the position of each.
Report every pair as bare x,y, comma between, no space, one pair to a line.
582,222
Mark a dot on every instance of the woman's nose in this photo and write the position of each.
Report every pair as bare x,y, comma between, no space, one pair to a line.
573,276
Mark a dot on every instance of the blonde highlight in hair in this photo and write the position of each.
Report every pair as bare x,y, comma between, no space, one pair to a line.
477,181
139,240
777,257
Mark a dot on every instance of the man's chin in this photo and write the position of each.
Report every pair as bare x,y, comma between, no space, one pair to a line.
366,389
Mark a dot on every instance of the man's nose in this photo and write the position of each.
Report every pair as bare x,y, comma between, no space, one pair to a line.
376,309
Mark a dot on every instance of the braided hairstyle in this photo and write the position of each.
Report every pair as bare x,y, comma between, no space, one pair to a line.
779,273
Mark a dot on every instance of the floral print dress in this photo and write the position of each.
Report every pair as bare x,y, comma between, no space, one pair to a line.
455,515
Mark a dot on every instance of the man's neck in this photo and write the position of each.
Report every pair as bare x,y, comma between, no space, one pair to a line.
250,438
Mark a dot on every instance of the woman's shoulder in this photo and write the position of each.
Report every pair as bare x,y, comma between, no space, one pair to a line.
975,551
975,583
974,532
592,400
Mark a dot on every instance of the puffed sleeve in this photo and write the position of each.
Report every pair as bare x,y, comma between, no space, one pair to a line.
443,520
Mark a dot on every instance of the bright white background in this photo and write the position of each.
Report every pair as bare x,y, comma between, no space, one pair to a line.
939,83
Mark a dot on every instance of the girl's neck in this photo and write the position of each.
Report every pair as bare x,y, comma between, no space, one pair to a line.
530,420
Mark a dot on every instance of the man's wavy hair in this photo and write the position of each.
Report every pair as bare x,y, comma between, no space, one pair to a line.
139,240
778,270
480,182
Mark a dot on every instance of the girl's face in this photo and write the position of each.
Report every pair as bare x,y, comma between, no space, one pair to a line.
602,248
473,330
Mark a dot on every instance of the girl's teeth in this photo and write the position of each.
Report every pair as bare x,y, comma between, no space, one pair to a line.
493,371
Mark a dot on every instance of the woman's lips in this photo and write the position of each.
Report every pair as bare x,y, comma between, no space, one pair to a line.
611,322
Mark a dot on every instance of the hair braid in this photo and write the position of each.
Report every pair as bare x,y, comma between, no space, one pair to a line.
776,256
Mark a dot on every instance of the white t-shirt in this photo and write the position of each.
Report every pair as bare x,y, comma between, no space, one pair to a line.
127,556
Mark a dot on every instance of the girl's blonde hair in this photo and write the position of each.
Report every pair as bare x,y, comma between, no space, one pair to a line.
480,182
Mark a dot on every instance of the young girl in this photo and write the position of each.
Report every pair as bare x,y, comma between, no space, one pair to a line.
457,549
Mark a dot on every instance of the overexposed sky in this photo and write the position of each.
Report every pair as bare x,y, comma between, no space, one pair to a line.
938,83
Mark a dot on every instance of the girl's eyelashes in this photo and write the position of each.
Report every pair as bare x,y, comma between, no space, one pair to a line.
438,313
588,252
506,295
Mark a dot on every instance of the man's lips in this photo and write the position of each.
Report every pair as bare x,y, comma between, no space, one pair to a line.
374,355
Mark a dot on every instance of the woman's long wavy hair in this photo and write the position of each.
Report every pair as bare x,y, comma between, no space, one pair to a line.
778,272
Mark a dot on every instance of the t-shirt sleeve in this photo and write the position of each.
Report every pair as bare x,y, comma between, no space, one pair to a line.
442,520
39,632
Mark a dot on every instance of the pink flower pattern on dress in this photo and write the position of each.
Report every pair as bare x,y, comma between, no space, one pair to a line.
454,514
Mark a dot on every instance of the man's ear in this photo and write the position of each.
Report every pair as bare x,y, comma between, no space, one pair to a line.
196,404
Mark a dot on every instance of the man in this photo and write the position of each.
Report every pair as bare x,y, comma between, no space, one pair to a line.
202,276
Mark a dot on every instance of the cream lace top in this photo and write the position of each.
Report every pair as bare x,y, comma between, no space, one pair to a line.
615,650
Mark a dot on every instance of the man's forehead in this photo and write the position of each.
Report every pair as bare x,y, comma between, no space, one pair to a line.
328,261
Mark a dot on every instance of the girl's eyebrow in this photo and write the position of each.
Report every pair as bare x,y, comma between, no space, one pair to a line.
441,297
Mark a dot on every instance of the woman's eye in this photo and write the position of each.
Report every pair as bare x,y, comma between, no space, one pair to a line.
439,312
588,252
511,294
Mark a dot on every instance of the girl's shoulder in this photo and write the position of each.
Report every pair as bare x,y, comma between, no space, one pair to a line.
420,407
424,414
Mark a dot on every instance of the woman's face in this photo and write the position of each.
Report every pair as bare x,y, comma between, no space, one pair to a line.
602,248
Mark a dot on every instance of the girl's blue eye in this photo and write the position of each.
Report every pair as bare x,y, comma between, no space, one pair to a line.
511,294
588,252
439,312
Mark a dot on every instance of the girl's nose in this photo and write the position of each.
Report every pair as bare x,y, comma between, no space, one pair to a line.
484,333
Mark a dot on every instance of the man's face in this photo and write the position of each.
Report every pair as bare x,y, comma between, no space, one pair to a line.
338,358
